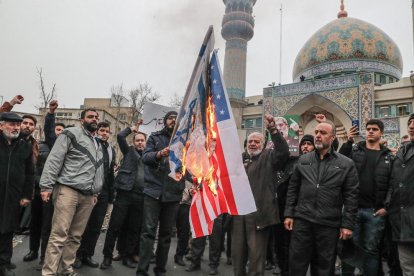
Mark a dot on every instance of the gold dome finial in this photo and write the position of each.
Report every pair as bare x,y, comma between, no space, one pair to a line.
342,12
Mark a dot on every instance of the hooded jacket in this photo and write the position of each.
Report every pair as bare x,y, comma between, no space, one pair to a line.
158,184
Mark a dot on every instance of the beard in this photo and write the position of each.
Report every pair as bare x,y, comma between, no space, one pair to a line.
321,145
9,135
25,133
170,129
104,139
91,127
254,152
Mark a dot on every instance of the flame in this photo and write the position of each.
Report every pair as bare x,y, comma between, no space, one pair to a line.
187,144
211,143
211,134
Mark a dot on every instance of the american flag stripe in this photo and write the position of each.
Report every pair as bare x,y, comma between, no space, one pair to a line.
198,221
224,178
208,202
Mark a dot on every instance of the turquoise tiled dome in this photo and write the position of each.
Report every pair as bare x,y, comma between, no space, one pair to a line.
348,39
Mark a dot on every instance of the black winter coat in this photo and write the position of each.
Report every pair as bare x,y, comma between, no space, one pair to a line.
44,151
281,181
108,181
260,170
357,153
324,191
16,180
157,182
131,163
401,197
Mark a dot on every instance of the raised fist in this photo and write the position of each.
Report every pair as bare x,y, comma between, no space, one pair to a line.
18,99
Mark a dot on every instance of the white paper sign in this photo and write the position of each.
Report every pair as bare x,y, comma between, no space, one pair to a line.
153,117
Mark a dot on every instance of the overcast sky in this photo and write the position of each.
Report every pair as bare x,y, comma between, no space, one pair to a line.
87,46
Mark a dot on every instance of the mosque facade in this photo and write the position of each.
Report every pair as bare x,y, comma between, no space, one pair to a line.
348,70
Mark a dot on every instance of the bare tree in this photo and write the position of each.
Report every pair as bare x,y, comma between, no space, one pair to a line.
117,95
45,98
139,96
118,100
176,100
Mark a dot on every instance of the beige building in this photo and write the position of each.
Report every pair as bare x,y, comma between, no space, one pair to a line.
118,108
71,116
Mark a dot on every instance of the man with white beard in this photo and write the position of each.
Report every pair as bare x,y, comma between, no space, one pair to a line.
16,183
250,232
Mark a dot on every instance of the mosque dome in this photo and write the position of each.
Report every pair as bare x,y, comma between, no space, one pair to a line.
348,45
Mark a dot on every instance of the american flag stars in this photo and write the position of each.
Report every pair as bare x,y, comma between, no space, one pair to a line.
220,101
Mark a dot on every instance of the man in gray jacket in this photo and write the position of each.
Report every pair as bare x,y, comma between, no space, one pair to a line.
74,172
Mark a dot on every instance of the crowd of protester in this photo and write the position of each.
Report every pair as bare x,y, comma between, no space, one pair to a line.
327,211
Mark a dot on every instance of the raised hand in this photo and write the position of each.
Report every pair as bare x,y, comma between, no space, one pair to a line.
353,132
320,118
53,105
18,99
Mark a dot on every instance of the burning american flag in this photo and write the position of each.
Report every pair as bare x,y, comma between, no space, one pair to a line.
206,145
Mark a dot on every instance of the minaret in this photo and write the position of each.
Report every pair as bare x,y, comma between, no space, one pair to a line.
237,30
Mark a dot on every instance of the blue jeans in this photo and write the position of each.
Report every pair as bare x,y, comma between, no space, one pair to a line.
368,234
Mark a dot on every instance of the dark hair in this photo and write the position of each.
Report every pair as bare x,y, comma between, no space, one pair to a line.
335,144
33,118
377,122
82,116
60,124
103,124
142,133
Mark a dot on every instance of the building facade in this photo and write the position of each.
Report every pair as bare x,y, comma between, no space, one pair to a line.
348,70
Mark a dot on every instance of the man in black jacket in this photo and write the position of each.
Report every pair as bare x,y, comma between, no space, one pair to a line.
128,205
42,212
373,162
401,202
281,235
322,201
93,228
16,183
250,232
162,195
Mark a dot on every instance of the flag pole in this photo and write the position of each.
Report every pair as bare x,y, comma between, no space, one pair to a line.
193,75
